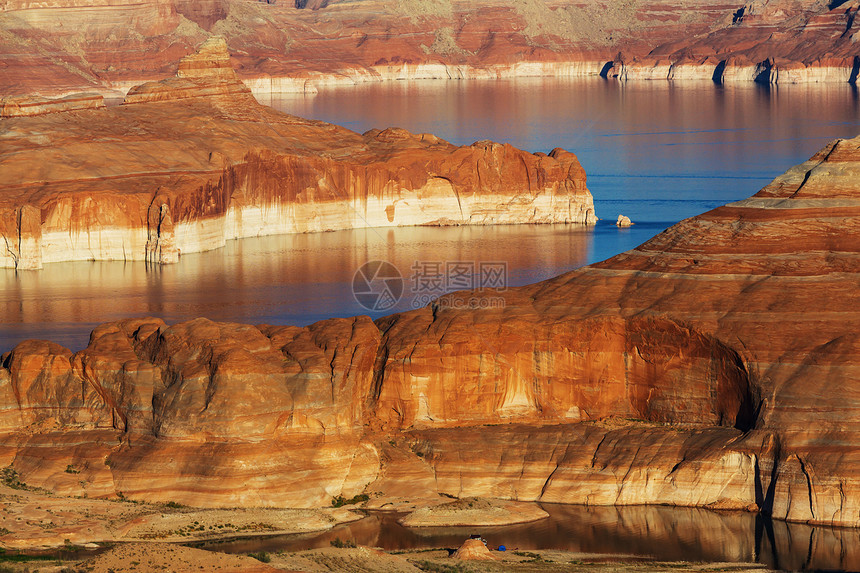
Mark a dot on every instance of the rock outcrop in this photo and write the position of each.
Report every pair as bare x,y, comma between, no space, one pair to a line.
187,163
204,413
715,365
473,550
59,47
25,106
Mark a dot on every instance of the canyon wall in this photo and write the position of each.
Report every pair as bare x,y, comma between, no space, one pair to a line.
741,320
188,163
715,365
62,46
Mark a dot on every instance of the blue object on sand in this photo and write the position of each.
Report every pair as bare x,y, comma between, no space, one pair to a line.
501,547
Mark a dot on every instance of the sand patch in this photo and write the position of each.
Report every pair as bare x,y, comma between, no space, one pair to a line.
474,511
214,523
163,557
347,560
39,520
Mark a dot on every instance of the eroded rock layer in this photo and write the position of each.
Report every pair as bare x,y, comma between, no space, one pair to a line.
188,163
716,365
62,46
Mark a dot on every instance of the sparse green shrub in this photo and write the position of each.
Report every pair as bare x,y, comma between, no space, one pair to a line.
341,544
15,557
340,501
535,557
261,556
10,478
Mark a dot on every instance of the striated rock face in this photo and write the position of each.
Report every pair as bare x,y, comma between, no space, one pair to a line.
62,46
715,365
25,106
613,462
203,413
207,72
191,162
741,319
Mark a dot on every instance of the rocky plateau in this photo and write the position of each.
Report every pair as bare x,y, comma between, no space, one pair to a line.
188,163
57,47
715,366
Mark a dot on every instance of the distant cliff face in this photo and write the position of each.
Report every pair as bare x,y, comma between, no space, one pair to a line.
715,365
188,163
53,48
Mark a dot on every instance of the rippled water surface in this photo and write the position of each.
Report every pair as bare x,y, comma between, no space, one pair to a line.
654,151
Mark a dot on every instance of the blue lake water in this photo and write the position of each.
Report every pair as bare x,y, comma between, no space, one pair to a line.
655,151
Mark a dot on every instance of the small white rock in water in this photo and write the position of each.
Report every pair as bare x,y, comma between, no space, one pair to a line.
623,221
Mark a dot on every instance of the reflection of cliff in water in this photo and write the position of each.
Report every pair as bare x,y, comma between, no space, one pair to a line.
660,532
282,279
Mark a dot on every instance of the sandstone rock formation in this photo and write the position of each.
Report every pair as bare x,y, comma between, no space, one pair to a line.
736,328
24,105
715,365
62,46
188,163
623,221
267,417
473,550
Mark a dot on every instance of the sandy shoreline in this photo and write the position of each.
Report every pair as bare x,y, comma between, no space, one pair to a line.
474,512
156,557
34,520
139,537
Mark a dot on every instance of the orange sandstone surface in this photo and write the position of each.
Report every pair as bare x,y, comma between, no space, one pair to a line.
57,47
187,163
716,365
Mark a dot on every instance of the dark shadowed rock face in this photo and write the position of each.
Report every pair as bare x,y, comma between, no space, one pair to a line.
716,365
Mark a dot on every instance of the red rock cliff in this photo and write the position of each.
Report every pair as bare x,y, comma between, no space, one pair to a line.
715,365
53,48
742,320
188,163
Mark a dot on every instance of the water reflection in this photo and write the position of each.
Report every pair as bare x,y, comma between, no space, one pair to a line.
638,141
655,151
289,279
662,533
